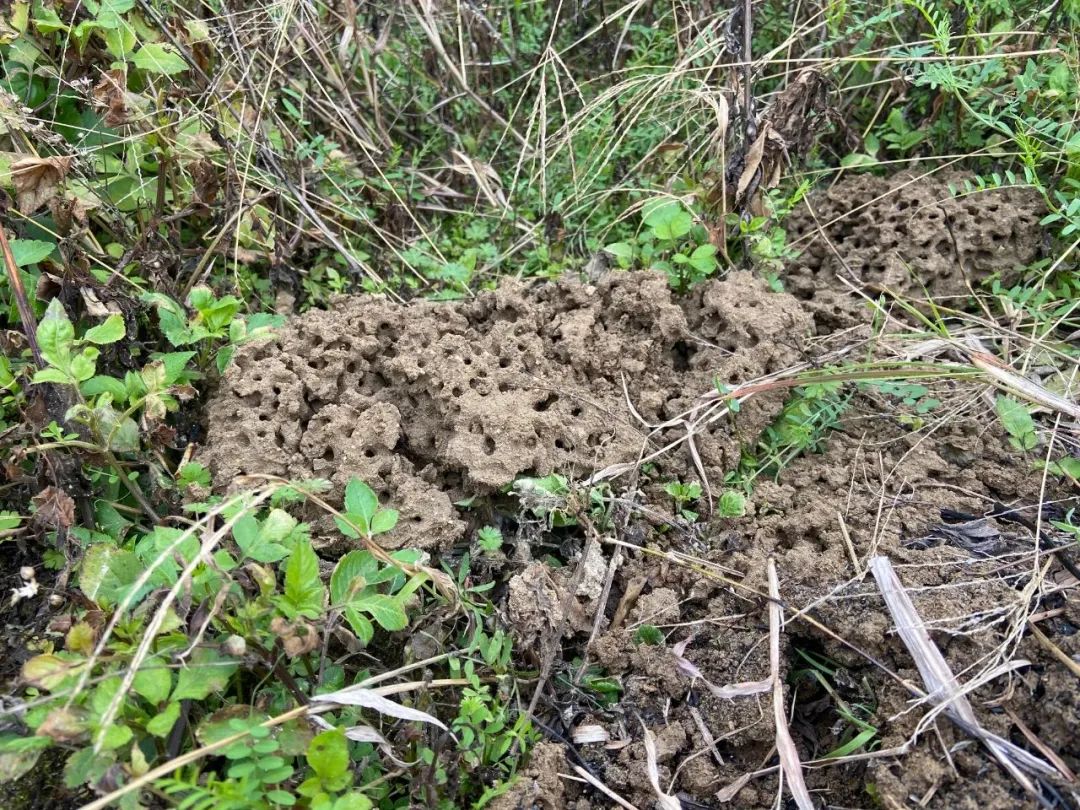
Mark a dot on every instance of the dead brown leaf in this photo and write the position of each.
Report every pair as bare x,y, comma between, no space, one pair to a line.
207,183
53,509
36,179
297,637
110,96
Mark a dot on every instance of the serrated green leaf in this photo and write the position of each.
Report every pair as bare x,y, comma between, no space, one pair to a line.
158,58
1017,421
351,574
304,591
207,672
347,530
254,542
732,504
667,219
384,521
110,331
84,364
361,499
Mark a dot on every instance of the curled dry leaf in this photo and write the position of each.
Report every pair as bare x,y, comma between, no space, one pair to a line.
110,96
53,509
727,692
36,179
297,637
204,174
64,725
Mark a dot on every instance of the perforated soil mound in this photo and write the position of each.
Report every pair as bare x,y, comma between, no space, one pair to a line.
432,402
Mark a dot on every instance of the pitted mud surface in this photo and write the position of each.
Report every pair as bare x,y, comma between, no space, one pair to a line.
431,403
909,234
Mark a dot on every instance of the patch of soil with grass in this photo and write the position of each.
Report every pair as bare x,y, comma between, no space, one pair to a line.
432,403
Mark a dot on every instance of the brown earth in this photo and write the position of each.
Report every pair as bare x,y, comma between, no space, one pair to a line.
431,403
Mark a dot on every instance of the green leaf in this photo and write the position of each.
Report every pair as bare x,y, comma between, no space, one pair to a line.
120,41
703,259
1017,421
158,58
623,251
361,499
110,331
857,159
304,591
193,474
153,681
116,735
104,385
55,334
52,375
84,766
349,531
84,364
206,673
361,625
30,251
175,363
255,543
384,521
386,610
352,573
732,504
328,755
667,219
161,724
47,21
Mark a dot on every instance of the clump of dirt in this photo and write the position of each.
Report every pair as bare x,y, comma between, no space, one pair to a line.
909,233
430,402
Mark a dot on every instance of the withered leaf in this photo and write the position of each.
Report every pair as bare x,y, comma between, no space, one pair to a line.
207,184
53,509
109,95
297,637
36,179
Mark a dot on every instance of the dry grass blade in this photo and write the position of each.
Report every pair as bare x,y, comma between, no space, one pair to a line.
371,699
941,684
665,800
596,783
785,747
